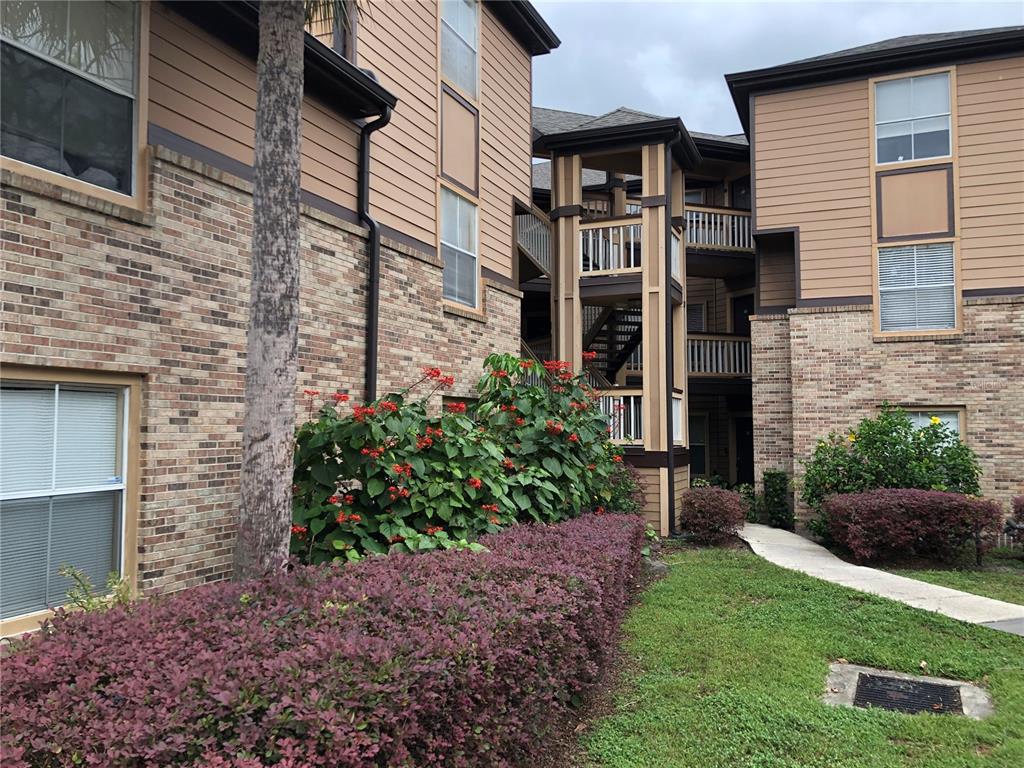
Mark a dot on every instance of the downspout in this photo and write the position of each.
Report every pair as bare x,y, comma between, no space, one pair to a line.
373,282
670,340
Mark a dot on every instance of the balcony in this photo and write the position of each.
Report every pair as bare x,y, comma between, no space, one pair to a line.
718,229
533,235
611,247
718,355
624,409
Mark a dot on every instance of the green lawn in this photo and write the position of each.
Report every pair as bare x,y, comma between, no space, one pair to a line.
1002,578
731,654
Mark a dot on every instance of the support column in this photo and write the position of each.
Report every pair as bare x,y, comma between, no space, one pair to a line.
567,315
679,342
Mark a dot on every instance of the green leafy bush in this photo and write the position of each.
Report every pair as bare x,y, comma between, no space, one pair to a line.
775,503
888,451
388,476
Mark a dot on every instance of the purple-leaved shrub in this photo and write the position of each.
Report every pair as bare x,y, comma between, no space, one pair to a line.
453,658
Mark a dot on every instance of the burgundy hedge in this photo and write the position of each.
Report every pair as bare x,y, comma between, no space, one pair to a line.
711,515
894,522
446,659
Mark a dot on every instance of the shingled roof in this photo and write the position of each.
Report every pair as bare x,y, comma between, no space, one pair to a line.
542,176
906,41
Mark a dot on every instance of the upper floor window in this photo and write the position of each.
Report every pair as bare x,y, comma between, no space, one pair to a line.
459,23
68,88
62,493
917,288
912,118
459,248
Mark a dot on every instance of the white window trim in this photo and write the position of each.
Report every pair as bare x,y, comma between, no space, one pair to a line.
122,486
475,256
475,96
948,115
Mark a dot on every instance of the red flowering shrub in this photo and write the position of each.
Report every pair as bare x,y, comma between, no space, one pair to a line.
451,659
711,515
893,522
389,477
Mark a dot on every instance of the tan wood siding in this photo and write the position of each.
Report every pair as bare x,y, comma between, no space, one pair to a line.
776,276
505,139
206,92
710,292
398,42
812,170
990,110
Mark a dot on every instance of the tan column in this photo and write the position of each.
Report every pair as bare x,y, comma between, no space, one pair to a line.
618,196
654,288
567,318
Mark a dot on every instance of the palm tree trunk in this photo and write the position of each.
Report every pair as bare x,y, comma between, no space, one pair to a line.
271,362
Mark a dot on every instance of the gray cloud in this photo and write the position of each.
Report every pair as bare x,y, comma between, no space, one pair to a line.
669,58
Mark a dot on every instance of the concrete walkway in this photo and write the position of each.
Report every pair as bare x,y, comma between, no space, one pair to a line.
799,554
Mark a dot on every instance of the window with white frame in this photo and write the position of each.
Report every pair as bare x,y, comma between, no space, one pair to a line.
912,118
917,287
459,248
922,419
459,23
62,490
698,423
695,317
68,88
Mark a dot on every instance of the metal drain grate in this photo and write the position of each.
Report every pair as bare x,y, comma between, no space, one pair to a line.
907,695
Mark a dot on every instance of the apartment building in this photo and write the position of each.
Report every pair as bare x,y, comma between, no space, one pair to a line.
127,149
888,213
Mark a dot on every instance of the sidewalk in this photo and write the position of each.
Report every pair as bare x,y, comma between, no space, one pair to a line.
799,554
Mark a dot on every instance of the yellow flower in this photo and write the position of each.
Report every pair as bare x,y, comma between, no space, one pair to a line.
852,438
936,420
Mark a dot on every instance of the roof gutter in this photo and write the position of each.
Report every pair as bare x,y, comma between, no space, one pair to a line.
373,247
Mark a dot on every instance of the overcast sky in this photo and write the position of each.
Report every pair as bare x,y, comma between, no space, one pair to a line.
668,58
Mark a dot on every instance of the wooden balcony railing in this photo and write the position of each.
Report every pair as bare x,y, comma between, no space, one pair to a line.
610,246
721,229
533,235
624,409
715,355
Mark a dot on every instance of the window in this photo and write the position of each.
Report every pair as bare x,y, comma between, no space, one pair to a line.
62,492
921,419
67,89
459,248
458,43
698,424
693,197
695,318
916,288
912,118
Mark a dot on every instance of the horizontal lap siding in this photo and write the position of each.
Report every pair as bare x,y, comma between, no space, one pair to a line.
711,293
811,170
505,73
205,92
990,124
398,42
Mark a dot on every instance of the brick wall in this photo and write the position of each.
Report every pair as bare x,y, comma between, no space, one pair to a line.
771,395
164,296
841,375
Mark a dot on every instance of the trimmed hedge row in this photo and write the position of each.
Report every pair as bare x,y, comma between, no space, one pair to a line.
893,522
446,659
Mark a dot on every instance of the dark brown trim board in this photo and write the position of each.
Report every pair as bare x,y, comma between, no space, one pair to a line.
977,293
835,301
565,210
611,286
638,457
653,201
950,205
158,136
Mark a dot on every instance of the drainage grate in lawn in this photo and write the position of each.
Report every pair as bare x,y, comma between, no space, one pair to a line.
907,695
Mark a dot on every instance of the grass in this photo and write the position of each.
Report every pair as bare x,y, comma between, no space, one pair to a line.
730,656
1002,576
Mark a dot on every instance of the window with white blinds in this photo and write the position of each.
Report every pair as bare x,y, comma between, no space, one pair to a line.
917,287
459,248
62,483
695,318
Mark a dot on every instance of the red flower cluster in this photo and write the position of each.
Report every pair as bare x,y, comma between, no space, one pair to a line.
617,459
431,530
591,467
520,421
375,453
599,511
554,427
311,392
508,464
526,365
494,520
299,531
574,438
396,493
457,407
434,374
489,507
360,412
557,388
508,407
387,405
396,539
402,469
589,357
343,518
431,373
431,432
423,442
339,397
557,366
474,482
